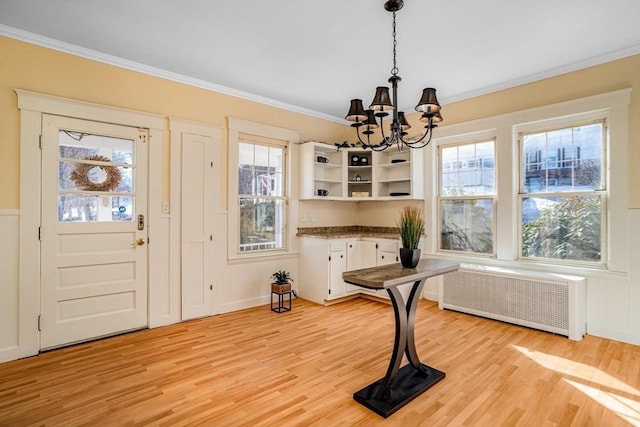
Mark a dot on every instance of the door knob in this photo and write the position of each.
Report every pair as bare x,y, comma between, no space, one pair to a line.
138,242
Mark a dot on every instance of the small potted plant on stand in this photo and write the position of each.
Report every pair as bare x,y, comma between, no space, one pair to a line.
411,225
281,282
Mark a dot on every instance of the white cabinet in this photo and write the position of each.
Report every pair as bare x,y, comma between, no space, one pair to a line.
337,266
359,174
356,174
322,262
322,171
360,254
387,252
399,173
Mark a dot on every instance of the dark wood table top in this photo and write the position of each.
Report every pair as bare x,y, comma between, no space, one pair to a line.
390,275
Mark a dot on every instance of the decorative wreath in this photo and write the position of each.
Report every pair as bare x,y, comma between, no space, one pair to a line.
80,175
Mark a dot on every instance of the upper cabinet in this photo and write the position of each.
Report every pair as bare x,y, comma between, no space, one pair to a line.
399,174
358,174
322,170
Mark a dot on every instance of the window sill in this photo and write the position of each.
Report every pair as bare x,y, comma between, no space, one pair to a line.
263,256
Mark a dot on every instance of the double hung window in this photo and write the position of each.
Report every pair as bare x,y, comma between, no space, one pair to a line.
467,197
563,193
261,196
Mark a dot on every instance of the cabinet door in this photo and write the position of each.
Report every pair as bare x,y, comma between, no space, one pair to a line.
385,257
337,266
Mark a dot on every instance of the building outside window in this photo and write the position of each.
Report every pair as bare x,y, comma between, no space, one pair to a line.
261,197
467,197
563,193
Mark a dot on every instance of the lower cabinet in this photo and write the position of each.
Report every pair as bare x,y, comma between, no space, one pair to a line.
322,262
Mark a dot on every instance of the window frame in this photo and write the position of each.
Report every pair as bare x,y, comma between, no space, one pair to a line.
602,193
440,198
241,130
283,198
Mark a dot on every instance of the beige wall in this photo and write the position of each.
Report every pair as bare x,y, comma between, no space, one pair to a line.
595,80
38,69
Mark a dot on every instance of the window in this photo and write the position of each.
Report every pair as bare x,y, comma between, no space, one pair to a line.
467,197
261,196
259,187
563,193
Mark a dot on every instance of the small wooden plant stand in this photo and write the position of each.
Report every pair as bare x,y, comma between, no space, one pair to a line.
283,295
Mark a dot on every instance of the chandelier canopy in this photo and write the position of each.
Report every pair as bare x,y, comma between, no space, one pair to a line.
372,118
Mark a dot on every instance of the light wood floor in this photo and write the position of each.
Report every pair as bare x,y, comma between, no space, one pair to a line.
259,368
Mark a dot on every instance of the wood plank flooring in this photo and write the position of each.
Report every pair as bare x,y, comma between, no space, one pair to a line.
259,368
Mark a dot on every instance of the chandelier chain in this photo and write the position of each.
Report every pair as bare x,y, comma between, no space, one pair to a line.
394,70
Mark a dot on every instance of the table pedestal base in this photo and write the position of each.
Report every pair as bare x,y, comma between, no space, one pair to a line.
408,384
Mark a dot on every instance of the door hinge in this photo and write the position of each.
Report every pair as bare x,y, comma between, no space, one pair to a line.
39,328
329,291
211,287
211,164
39,233
148,240
329,257
40,142
142,135
376,246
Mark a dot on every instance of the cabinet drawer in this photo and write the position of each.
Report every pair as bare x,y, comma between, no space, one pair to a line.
388,245
337,245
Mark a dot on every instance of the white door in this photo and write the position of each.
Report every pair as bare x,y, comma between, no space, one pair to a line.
93,230
197,227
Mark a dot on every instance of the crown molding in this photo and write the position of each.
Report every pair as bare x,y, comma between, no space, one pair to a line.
104,58
553,72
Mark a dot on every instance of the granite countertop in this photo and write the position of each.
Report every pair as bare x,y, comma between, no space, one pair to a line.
349,231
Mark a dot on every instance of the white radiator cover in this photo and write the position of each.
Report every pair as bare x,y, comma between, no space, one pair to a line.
545,301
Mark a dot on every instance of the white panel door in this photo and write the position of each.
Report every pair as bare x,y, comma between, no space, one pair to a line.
197,225
93,231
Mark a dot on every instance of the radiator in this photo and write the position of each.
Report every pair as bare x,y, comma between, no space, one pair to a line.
545,301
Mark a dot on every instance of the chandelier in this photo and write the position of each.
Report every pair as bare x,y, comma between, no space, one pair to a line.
382,104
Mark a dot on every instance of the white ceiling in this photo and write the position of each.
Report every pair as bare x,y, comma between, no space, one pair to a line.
315,55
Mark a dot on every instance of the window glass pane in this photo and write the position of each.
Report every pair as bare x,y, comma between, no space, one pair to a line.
88,177
92,208
563,160
261,224
260,170
467,169
562,227
467,225
75,145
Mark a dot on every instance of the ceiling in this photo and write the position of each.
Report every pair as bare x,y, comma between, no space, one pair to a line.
315,55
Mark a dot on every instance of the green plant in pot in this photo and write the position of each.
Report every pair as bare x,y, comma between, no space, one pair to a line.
281,282
411,225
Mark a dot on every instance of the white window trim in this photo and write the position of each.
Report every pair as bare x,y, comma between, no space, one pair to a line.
237,128
615,104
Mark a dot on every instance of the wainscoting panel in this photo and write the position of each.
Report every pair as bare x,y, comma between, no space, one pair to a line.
9,285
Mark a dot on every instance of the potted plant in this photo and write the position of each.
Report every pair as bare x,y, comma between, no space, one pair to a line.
281,282
411,225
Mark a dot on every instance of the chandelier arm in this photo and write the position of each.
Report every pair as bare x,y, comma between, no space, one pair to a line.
414,144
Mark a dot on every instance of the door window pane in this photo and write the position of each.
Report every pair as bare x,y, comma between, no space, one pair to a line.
90,164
